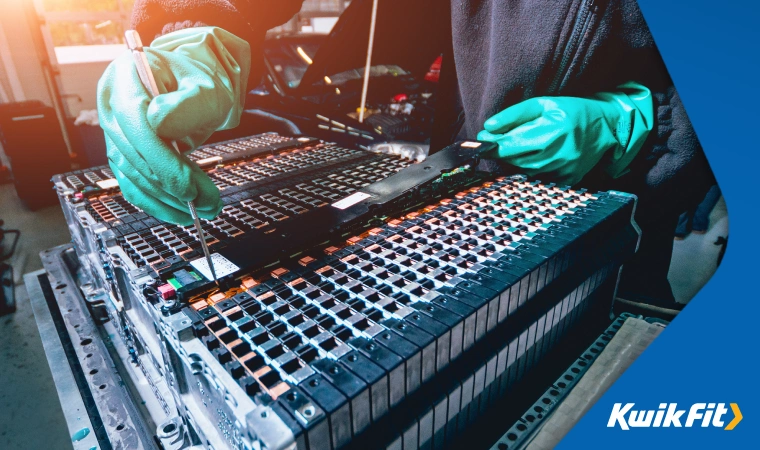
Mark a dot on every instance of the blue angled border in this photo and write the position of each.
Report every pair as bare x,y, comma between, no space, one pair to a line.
710,352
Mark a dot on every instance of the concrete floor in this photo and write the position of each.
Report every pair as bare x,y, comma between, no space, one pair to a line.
32,417
31,414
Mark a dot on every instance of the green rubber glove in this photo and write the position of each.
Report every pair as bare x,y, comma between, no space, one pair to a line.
565,137
202,75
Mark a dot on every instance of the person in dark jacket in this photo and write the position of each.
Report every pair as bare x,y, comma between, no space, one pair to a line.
507,52
571,91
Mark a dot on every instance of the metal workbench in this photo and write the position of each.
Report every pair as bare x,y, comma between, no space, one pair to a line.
97,391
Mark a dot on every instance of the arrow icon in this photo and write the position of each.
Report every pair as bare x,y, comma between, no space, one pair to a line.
737,417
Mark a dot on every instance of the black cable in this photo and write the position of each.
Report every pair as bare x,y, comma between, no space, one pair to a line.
7,305
3,233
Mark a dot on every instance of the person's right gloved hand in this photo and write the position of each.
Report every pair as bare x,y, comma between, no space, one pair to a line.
201,74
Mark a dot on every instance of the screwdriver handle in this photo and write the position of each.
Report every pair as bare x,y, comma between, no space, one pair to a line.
134,43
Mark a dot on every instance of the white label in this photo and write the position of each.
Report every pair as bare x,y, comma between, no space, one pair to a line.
222,266
209,160
108,184
470,144
351,200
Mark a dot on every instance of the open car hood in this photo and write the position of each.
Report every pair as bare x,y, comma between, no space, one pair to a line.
407,34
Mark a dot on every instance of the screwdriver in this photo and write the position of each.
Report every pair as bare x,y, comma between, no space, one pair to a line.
134,43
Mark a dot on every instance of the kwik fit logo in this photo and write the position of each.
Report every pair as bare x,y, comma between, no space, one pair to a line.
668,415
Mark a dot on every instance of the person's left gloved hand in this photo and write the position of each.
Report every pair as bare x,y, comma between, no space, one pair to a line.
565,137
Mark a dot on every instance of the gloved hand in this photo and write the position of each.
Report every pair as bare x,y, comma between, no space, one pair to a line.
566,137
202,75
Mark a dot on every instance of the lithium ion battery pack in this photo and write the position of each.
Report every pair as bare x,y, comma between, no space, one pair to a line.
365,300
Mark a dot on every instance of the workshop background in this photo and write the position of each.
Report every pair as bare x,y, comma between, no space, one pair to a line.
52,53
